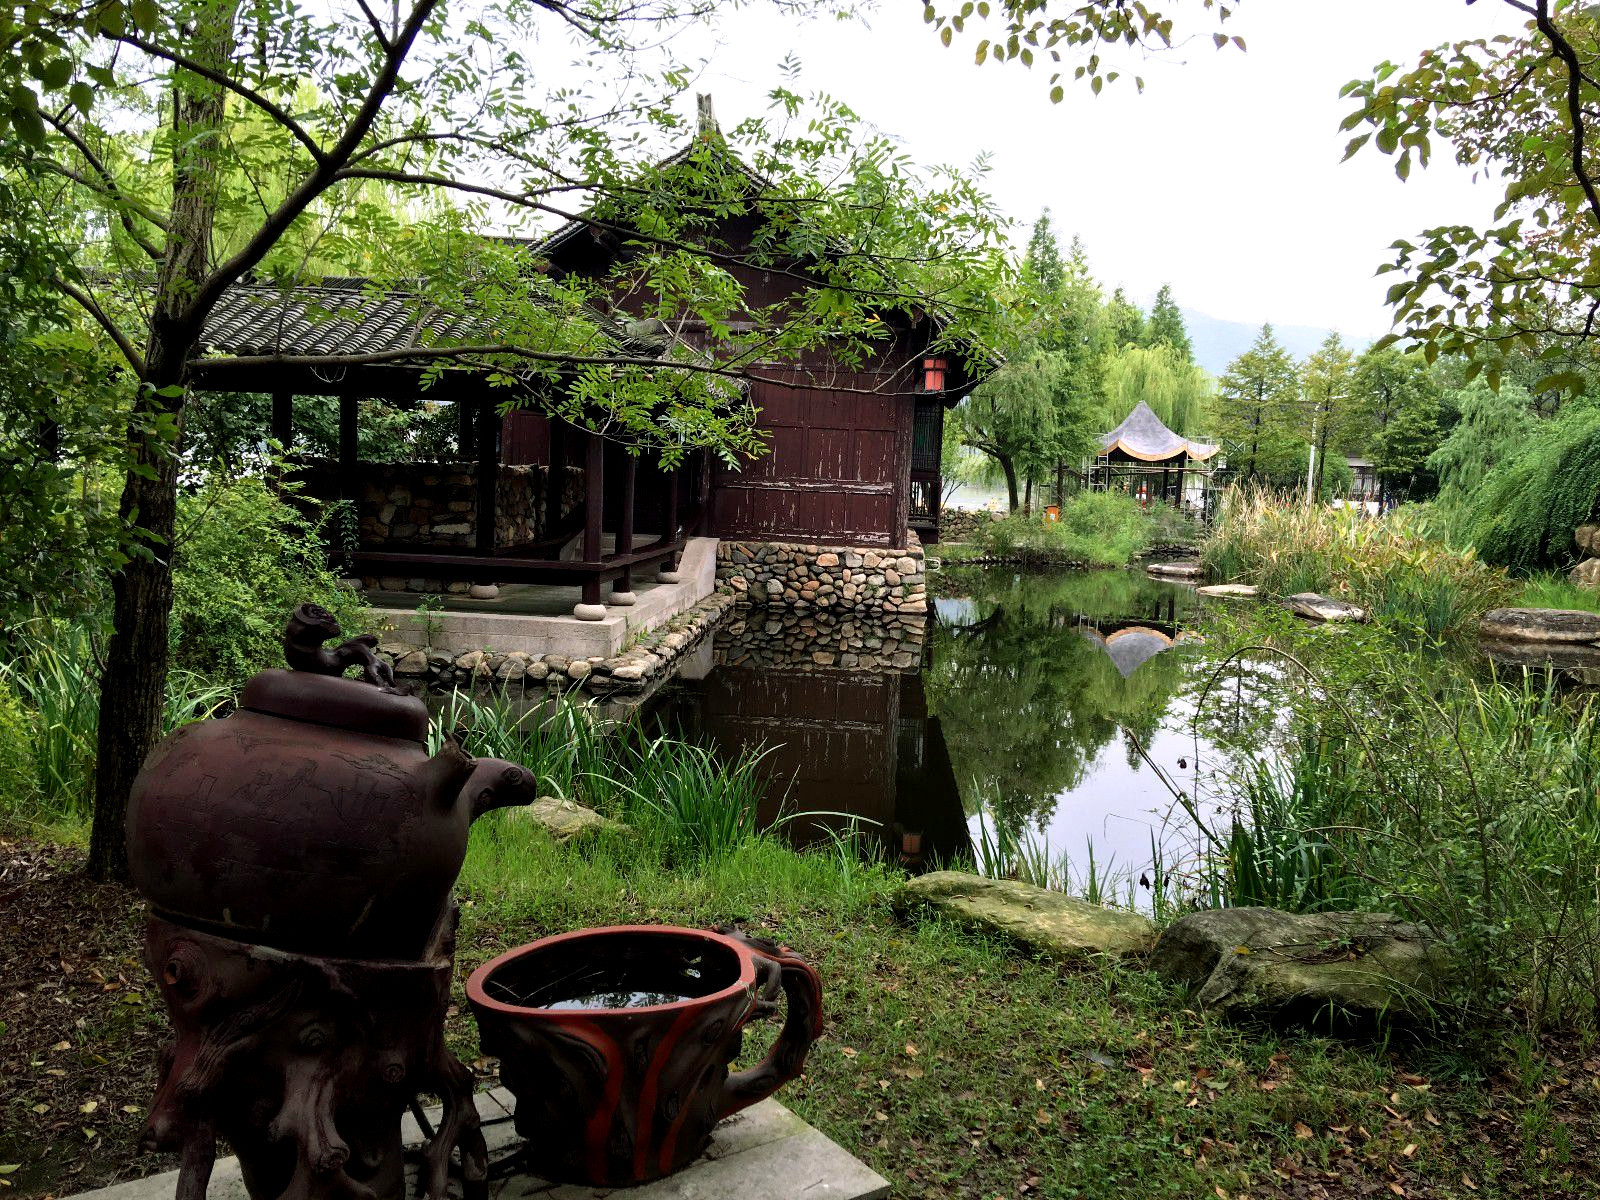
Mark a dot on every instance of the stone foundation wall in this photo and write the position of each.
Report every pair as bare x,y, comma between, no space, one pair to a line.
809,576
423,669
789,640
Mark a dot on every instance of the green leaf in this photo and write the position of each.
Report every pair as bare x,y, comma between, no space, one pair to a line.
56,73
82,96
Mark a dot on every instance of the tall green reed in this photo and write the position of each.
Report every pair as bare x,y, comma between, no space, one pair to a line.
54,675
699,804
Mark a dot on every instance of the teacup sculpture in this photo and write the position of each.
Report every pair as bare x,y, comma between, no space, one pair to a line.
298,857
616,1043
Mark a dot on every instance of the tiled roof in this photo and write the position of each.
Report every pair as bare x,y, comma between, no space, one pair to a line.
347,316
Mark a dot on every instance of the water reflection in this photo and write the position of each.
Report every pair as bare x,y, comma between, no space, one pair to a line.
839,704
1043,698
1058,691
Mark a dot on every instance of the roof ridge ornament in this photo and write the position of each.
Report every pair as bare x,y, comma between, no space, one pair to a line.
705,118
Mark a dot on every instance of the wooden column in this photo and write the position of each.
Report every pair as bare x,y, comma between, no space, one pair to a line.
349,450
594,482
488,448
622,589
283,419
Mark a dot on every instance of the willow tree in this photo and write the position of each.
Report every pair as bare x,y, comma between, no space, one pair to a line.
127,126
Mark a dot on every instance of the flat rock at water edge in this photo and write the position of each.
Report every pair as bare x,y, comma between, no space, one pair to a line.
1338,970
1314,607
1174,570
1052,923
1230,591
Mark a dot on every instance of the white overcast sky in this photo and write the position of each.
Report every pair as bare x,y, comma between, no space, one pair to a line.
1223,178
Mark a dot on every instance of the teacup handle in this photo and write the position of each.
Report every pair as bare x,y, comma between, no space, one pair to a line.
801,1023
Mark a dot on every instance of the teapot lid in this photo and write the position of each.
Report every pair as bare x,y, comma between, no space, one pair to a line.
314,688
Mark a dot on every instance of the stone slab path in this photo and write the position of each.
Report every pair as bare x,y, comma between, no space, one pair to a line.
763,1153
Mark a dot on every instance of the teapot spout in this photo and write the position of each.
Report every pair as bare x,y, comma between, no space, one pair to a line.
496,783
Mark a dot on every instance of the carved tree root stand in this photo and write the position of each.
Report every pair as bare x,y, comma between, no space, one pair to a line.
306,1065
763,1153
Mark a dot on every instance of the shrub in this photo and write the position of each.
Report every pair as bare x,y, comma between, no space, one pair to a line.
245,557
1390,565
1096,529
1524,514
18,786
53,678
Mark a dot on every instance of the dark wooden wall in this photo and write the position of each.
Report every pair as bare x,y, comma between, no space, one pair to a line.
830,736
838,467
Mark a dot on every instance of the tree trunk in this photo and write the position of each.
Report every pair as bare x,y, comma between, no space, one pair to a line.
1027,497
1010,468
133,690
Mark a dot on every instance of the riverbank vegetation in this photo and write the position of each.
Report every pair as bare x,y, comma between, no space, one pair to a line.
1091,529
1394,567
1375,775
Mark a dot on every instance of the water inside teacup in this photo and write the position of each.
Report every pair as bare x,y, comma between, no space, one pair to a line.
606,971
624,999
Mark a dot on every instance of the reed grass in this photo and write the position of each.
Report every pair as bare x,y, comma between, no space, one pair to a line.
54,679
1393,566
1469,805
699,804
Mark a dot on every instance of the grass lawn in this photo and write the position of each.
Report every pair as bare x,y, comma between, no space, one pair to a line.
953,1065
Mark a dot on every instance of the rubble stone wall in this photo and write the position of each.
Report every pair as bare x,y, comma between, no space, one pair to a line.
810,576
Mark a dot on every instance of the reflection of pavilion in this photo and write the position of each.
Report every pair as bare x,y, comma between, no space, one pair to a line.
1130,648
842,742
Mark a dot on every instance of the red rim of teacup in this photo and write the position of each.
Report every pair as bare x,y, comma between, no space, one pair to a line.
479,998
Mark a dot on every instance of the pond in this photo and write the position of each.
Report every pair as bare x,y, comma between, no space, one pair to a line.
1050,709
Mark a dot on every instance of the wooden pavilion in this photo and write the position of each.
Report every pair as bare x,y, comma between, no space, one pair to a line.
853,446
584,485
1147,460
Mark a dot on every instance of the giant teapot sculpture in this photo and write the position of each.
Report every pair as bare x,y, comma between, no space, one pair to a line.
298,857
313,819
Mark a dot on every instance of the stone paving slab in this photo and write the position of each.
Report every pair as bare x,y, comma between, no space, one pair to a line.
763,1153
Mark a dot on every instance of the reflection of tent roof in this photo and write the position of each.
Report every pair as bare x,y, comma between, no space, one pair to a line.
1129,649
1145,436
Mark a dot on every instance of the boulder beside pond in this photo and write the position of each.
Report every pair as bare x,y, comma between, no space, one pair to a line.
1330,969
564,820
1569,625
1314,607
1057,925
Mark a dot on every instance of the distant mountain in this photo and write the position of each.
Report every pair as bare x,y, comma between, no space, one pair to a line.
1217,342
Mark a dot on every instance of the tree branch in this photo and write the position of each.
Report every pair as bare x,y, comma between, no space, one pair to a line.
530,201
90,306
1575,79
328,164
276,111
125,203
377,26
410,355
